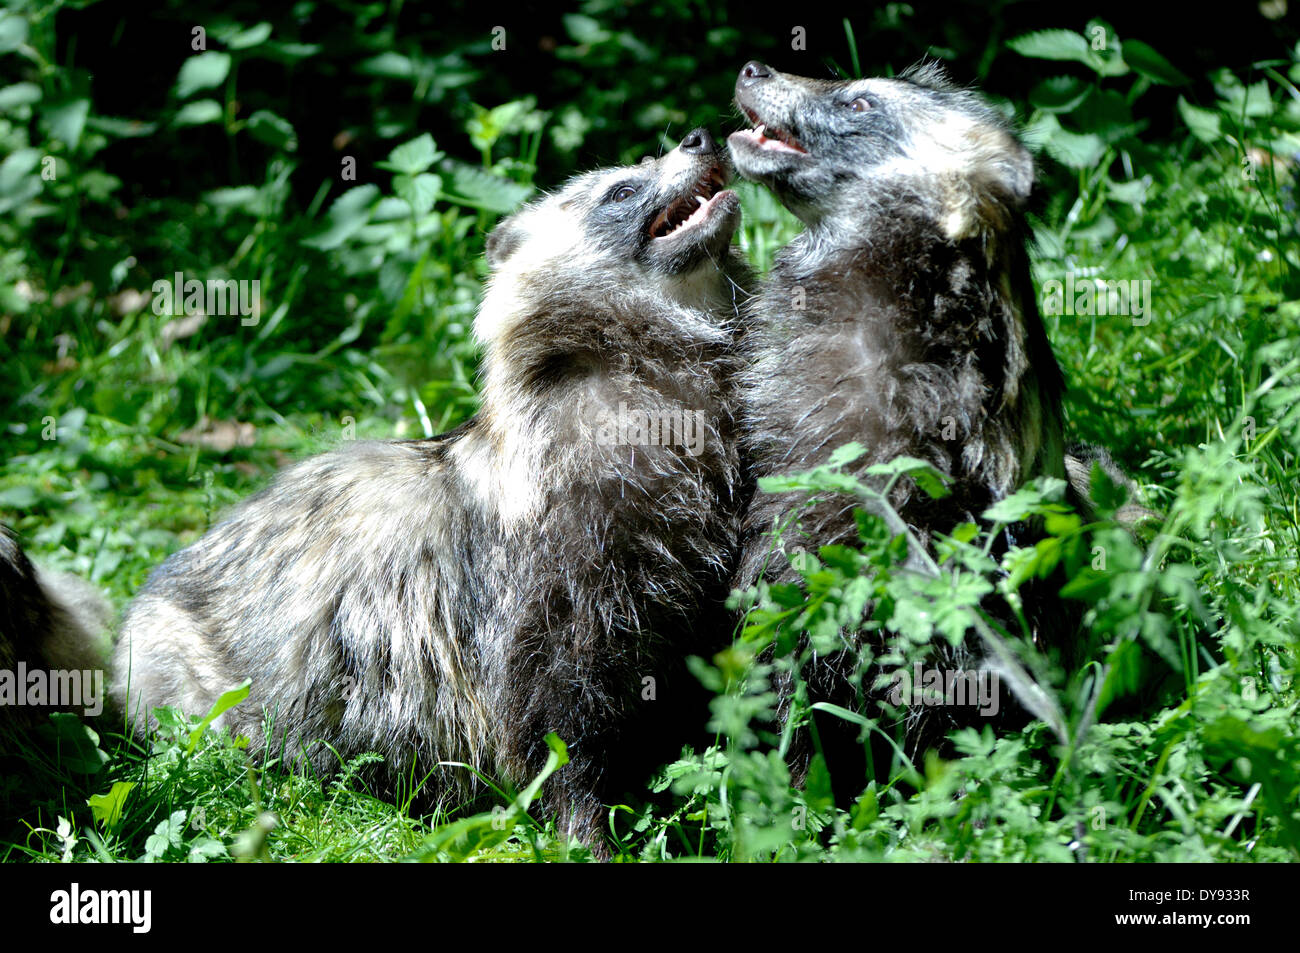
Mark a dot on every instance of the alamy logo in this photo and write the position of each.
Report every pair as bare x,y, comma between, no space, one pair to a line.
643,428
72,906
179,296
1088,296
946,687
60,688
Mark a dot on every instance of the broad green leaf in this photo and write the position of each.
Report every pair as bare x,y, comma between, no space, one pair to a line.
421,191
1058,94
1053,45
584,29
19,94
121,128
471,186
1203,123
77,743
414,157
346,217
13,31
20,497
202,71
238,197
253,36
107,808
846,454
1151,64
1075,150
67,121
198,112
390,64
227,701
265,126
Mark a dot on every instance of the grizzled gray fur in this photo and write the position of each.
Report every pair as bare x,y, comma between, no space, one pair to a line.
48,620
541,567
902,318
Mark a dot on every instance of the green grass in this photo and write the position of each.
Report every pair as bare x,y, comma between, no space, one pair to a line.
1176,739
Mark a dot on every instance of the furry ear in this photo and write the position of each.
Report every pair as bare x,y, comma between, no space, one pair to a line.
1006,167
1018,172
930,74
502,242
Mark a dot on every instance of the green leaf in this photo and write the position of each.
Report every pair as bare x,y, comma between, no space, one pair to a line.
198,112
166,835
1075,150
1151,64
817,785
240,196
1130,193
1203,123
856,718
1058,94
77,743
584,29
471,186
1053,45
931,481
202,71
414,157
289,52
846,454
205,849
121,128
265,126
487,126
389,64
227,701
253,36
65,122
1035,497
13,31
19,94
420,191
346,217
20,497
107,808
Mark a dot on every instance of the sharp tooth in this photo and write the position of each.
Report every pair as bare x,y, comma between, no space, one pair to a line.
702,200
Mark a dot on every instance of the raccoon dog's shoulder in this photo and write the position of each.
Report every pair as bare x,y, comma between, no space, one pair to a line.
903,317
456,599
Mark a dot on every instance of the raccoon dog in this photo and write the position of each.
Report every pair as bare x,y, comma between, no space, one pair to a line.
902,318
543,567
48,621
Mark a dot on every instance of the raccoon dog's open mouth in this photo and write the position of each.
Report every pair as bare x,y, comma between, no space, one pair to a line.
693,208
767,136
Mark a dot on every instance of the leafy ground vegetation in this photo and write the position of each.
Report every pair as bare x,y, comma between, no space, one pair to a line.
350,157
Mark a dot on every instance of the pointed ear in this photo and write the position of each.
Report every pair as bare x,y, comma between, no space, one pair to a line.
1014,173
502,241
1001,166
1019,172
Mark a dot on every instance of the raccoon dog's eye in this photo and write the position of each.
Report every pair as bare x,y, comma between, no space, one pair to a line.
859,105
623,193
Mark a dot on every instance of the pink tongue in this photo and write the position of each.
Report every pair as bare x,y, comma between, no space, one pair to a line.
765,142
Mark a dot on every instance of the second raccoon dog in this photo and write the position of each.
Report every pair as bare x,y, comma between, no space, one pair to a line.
544,567
50,621
903,317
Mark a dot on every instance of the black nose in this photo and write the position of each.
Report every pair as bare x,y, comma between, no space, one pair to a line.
753,72
698,142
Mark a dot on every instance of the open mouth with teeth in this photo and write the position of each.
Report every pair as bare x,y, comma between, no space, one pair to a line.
694,208
769,137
